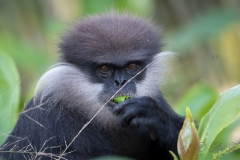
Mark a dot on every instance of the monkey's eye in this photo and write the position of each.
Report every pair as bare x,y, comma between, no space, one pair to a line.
104,68
132,66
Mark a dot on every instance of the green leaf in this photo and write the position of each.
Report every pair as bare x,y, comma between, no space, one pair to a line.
223,113
9,95
121,99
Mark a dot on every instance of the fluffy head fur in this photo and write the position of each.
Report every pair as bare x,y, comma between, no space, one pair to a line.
109,36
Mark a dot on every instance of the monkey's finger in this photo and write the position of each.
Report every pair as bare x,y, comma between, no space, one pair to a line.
127,114
130,113
134,123
125,122
139,121
118,109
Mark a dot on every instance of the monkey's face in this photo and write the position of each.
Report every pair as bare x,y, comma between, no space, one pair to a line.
117,76
114,76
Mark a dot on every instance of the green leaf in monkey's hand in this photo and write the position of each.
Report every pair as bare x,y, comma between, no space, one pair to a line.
121,99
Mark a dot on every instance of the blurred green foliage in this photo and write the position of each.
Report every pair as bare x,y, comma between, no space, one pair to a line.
204,27
9,95
200,98
205,34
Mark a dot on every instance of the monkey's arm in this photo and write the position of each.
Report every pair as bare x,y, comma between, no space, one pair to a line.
164,124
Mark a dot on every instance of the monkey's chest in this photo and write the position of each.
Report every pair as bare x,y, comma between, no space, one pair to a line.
135,143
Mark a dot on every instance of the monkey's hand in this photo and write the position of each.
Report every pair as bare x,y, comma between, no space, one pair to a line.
138,111
164,124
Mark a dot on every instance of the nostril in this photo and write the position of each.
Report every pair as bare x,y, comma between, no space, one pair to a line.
120,83
117,82
123,82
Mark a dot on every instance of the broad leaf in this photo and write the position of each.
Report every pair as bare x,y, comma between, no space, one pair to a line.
223,113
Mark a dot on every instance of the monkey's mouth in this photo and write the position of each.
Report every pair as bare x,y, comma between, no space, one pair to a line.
117,99
120,99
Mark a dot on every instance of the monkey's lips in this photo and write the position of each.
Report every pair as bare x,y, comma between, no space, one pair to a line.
111,103
118,99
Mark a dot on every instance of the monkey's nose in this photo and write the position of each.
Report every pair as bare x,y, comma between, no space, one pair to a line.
120,83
